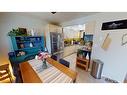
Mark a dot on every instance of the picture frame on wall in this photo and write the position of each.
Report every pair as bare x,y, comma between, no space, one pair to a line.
120,24
22,31
88,37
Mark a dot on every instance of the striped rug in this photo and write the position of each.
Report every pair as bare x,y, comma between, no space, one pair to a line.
49,75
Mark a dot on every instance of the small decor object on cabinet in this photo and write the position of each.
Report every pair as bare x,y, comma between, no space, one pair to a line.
42,56
21,45
32,32
22,31
21,53
120,24
31,45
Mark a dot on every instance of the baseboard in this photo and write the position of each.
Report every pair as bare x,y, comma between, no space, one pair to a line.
109,80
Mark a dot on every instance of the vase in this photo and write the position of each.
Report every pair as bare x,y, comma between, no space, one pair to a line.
44,66
32,32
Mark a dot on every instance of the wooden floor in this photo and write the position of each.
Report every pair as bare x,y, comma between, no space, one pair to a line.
82,75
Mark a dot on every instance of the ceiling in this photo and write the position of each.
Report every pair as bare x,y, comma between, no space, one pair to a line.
59,17
76,27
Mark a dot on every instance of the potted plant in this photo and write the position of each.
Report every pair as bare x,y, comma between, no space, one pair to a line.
13,32
43,56
80,53
18,32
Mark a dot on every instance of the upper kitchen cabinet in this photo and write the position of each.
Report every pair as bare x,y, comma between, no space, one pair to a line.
73,31
53,28
70,33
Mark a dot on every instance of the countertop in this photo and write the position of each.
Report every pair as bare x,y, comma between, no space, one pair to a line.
68,50
73,45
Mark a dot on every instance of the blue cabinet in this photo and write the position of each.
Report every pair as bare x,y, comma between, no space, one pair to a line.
26,47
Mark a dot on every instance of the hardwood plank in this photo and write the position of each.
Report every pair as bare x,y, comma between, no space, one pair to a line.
28,74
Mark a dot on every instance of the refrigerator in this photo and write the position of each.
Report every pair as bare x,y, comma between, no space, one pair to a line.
55,44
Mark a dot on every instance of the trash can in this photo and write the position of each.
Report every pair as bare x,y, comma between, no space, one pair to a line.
97,68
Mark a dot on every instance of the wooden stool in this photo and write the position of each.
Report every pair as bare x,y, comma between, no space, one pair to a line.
82,62
5,72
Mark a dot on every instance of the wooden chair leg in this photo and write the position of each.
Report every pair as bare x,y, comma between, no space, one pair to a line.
87,66
9,74
74,81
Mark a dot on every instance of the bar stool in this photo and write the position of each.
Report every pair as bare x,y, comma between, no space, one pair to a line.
5,72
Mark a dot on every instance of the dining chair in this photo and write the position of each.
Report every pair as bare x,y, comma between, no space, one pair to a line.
5,72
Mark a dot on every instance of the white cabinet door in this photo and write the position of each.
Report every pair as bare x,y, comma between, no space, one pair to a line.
52,28
70,33
59,29
55,28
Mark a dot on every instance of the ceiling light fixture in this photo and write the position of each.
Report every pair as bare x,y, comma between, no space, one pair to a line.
53,12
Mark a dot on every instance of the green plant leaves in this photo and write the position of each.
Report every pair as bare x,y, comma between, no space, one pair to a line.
15,32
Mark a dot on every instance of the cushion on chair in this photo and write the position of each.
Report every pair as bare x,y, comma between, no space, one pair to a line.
64,62
54,57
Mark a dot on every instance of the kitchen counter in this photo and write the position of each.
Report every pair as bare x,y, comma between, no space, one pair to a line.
70,45
68,50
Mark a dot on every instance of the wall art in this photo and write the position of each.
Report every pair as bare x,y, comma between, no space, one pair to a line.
120,24
124,39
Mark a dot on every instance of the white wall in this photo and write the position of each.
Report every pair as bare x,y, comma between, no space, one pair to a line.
90,27
15,20
115,61
80,21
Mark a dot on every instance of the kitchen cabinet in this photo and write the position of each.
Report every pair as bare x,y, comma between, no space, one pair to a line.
70,33
53,28
71,49
26,47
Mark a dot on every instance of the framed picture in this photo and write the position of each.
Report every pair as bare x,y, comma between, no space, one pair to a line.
88,37
22,31
120,24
